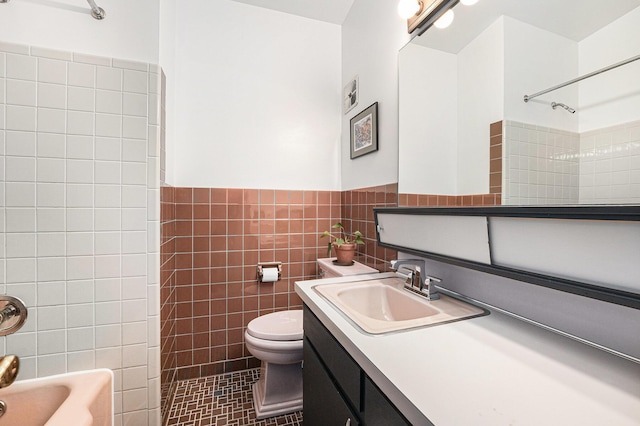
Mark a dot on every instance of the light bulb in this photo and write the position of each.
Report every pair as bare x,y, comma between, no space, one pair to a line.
408,8
468,2
445,20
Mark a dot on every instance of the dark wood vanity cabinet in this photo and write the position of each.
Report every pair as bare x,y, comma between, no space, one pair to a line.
336,390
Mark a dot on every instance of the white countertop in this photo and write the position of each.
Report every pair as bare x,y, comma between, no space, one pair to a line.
491,370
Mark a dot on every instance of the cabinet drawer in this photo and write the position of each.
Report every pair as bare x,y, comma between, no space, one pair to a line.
343,369
323,404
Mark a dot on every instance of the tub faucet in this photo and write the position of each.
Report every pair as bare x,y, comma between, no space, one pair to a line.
9,366
414,280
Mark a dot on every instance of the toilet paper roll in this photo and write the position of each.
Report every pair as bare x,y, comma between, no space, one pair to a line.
269,275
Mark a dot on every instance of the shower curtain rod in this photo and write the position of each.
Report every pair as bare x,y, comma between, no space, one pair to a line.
96,12
527,98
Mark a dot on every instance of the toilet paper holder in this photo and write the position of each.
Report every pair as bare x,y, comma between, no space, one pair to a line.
264,265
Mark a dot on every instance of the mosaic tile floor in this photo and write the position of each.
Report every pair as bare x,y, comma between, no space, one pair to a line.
224,399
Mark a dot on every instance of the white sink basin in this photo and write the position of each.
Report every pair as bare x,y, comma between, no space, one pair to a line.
79,399
382,305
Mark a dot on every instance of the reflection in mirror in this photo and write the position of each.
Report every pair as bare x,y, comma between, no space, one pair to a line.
467,137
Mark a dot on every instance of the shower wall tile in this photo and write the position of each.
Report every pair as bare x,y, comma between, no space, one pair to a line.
109,78
109,101
80,99
20,118
78,216
51,71
21,92
50,145
51,53
21,67
81,75
52,95
541,165
20,144
52,120
90,59
550,166
610,165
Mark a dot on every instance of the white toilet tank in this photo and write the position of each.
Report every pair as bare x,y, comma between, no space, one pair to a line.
327,269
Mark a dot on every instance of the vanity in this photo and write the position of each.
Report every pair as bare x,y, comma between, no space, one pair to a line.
551,349
343,393
490,370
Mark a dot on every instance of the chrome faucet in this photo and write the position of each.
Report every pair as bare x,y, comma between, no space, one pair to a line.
414,280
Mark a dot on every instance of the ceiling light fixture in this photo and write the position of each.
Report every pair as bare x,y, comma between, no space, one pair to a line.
445,20
409,8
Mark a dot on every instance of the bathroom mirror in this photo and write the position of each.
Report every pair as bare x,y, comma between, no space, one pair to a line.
464,127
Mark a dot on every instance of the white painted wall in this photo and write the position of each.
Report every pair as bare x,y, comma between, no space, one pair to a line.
256,98
480,89
428,126
535,60
613,97
372,35
167,60
130,30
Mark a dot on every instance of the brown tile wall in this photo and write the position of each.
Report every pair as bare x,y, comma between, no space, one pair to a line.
428,200
495,158
168,306
357,215
220,236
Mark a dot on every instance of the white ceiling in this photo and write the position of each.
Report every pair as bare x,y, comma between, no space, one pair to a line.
333,11
573,19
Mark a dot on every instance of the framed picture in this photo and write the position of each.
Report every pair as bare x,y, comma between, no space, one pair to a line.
364,132
350,95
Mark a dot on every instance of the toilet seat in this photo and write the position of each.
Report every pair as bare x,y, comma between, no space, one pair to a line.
278,326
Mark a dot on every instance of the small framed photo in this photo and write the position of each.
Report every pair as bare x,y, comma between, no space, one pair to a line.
350,95
364,132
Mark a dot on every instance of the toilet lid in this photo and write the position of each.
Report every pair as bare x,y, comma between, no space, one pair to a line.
283,325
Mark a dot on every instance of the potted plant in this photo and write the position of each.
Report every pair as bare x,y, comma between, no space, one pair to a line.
344,244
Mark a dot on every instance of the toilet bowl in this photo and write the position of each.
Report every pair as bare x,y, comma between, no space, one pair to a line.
276,340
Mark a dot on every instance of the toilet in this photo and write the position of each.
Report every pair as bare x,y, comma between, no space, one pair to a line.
276,340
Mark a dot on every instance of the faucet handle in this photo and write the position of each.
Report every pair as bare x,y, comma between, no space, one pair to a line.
410,277
432,292
9,366
429,278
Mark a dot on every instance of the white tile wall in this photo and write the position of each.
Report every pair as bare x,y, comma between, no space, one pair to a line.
541,165
79,218
549,166
610,165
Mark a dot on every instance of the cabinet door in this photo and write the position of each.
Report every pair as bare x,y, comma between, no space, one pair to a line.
378,410
342,368
323,403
